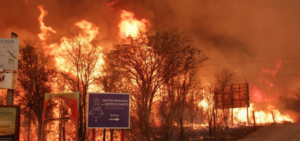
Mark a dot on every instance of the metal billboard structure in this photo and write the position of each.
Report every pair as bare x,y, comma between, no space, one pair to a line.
233,96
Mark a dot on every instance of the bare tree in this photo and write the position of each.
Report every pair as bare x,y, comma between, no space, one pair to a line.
179,96
110,80
150,60
83,58
35,75
223,78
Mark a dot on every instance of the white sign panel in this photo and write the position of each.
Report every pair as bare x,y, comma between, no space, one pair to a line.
8,80
9,50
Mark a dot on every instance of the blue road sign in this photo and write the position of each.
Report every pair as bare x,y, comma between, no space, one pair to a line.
108,110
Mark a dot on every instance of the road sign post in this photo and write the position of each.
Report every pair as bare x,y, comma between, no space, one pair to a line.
109,110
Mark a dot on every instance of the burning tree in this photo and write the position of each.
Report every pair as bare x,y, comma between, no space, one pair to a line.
110,80
82,57
150,60
223,78
179,93
35,75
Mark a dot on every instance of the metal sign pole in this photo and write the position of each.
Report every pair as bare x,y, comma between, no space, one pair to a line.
10,92
93,134
122,134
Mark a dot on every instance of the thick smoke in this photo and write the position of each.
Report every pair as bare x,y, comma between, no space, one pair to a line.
247,36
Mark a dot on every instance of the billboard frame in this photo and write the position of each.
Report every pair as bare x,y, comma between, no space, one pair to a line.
17,121
109,127
228,96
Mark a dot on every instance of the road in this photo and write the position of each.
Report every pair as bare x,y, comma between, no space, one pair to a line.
280,132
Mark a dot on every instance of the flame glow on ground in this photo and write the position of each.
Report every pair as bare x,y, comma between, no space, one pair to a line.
261,117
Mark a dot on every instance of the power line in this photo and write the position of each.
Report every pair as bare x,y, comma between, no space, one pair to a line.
288,75
258,61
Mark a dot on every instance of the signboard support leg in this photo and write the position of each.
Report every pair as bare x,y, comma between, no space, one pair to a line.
93,134
122,134
10,97
254,118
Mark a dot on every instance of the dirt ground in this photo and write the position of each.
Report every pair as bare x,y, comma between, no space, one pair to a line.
279,132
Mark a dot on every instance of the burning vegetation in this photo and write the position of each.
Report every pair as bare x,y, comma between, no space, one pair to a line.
160,69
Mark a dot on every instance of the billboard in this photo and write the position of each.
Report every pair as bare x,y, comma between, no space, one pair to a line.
9,123
9,51
61,110
108,110
234,96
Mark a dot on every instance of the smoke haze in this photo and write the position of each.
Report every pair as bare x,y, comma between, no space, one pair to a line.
247,36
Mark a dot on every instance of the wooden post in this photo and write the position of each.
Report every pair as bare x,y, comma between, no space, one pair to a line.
214,123
248,103
231,117
93,134
247,116
273,117
253,118
122,134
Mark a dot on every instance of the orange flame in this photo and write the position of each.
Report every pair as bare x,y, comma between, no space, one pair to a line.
276,69
129,26
44,29
203,104
88,32
261,117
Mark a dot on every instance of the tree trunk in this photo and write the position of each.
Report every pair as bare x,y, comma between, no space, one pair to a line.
104,134
84,111
29,125
111,134
81,133
181,129
40,120
147,127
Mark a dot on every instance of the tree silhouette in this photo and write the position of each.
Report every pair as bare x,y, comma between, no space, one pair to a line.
35,75
83,58
151,60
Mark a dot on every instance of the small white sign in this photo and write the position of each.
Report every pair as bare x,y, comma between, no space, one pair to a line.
9,51
8,79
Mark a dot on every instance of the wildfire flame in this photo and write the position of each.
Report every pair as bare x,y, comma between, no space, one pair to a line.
88,32
44,29
261,117
129,26
203,104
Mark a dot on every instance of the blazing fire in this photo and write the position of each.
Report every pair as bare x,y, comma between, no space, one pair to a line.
129,26
44,29
264,115
203,104
88,32
271,115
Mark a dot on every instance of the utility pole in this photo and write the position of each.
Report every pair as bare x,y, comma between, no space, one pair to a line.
10,92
